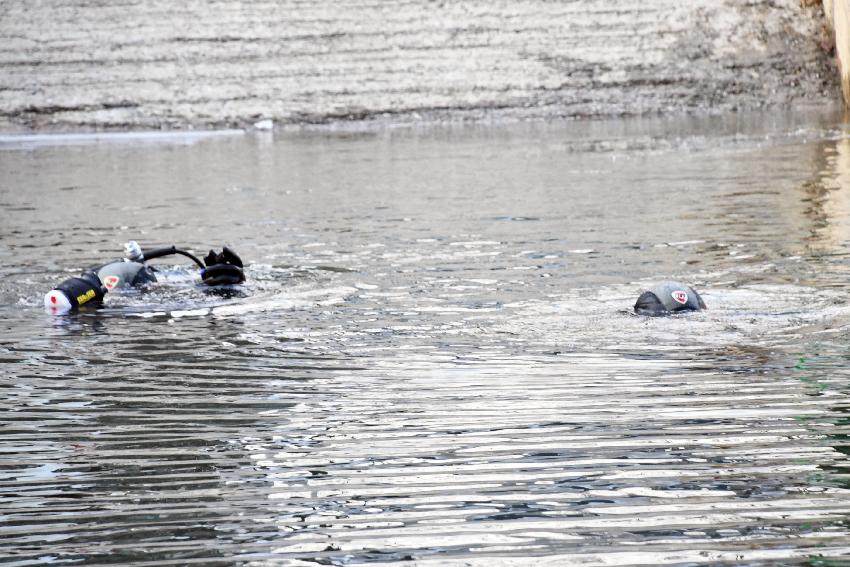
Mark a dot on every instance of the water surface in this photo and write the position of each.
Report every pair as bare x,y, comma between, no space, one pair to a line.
434,359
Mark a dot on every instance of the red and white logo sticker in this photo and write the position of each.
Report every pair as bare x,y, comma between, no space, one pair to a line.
680,297
111,281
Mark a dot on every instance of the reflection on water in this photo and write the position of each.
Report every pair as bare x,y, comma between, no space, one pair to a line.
828,197
434,357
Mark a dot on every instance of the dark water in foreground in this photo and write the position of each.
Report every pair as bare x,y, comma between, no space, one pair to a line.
434,358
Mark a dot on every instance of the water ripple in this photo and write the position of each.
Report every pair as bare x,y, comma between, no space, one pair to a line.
406,383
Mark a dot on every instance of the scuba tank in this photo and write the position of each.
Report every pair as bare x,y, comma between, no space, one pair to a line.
668,297
218,268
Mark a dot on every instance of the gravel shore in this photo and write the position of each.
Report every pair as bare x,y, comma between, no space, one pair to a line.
154,64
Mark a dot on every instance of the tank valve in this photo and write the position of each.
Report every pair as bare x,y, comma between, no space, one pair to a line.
134,251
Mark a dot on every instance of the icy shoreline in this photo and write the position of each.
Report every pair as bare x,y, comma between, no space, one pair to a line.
74,66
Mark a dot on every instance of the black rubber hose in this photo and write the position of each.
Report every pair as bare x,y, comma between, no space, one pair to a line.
160,252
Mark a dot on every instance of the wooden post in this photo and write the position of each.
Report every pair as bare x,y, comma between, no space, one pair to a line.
841,23
837,14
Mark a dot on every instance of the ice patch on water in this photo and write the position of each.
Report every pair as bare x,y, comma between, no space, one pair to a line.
288,300
190,313
27,141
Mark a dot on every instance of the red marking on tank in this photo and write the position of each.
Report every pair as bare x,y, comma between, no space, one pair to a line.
680,297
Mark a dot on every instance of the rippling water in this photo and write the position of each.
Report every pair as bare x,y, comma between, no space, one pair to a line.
434,358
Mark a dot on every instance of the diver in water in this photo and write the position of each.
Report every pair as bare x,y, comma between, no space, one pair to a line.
667,298
218,268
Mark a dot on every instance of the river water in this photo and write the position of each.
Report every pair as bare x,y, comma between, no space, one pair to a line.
434,360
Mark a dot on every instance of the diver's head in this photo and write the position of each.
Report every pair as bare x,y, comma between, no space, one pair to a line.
666,298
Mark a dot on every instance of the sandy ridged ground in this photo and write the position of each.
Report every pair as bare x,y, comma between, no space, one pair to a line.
139,64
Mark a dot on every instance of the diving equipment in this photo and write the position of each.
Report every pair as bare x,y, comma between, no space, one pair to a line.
668,297
222,268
